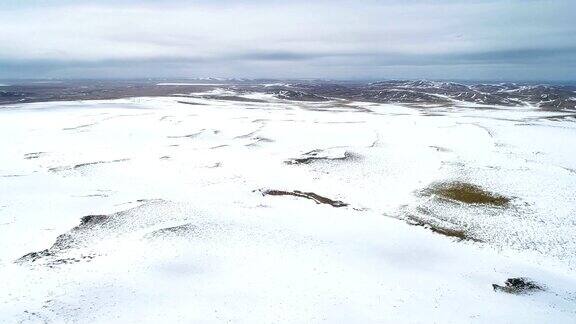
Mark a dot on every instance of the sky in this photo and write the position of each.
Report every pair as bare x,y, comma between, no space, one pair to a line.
337,39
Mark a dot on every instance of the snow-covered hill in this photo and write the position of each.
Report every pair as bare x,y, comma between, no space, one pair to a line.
248,207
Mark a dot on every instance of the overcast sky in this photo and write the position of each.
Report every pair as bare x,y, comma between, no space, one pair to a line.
444,39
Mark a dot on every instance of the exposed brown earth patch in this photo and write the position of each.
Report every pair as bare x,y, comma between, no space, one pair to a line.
466,193
459,234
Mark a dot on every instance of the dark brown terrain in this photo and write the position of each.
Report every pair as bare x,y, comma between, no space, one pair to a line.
420,93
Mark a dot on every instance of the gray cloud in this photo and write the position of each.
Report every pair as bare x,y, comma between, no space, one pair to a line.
335,39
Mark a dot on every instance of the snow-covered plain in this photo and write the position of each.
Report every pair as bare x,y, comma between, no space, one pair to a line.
191,236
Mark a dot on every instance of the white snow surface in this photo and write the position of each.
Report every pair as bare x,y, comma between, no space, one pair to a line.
245,257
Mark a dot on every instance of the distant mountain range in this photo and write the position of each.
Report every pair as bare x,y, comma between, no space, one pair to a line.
420,92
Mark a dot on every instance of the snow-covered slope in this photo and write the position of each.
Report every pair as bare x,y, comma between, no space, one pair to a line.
257,209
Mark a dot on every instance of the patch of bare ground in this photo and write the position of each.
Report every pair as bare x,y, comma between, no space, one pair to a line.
174,232
316,155
336,107
466,193
12,175
75,245
81,166
233,98
308,195
78,127
250,134
218,146
33,155
258,140
459,234
439,148
191,103
187,135
565,117
73,239
518,286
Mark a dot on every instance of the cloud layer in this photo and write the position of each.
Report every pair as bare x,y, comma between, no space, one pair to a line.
330,39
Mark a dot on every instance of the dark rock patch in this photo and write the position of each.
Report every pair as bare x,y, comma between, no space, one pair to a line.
518,286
